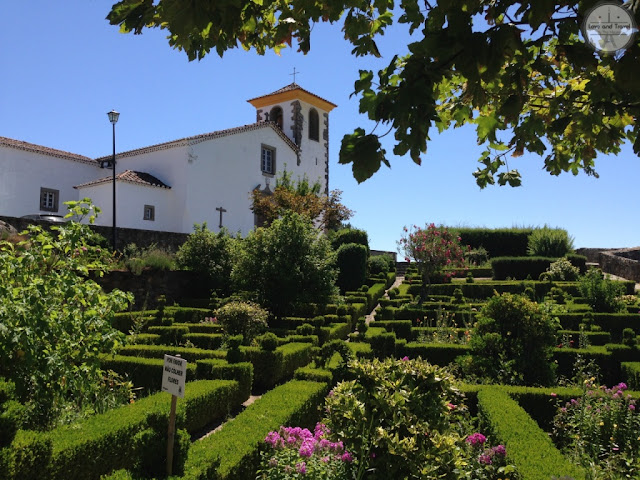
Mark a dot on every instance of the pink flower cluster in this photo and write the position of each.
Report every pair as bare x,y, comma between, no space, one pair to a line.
486,458
308,443
476,439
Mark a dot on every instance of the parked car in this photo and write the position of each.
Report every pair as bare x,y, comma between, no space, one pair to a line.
46,217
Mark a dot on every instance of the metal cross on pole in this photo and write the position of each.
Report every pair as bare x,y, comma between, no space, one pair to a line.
221,210
294,74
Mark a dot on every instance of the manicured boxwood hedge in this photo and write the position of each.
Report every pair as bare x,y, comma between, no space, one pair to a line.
121,437
402,328
436,353
143,372
172,335
214,369
206,341
233,451
594,338
187,314
520,268
528,447
314,374
158,351
335,331
483,290
631,374
271,368
499,241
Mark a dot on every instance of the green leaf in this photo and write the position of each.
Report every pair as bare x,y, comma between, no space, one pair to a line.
486,127
364,152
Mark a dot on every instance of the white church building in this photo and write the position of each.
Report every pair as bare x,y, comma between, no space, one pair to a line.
170,186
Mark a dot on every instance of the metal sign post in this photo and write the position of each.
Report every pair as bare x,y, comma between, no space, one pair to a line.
174,376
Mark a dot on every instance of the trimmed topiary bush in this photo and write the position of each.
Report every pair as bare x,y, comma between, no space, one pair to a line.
352,266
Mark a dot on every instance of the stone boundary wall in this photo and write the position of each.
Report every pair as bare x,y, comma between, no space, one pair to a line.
593,254
170,241
175,285
622,263
374,253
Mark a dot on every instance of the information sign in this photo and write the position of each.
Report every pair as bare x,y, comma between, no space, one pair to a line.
174,375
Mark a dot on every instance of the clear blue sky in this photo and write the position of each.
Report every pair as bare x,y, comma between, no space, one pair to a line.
63,67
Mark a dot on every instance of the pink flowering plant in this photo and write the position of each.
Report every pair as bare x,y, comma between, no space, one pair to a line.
600,431
432,248
294,452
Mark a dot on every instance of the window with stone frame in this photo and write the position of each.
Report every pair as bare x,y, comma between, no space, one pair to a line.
314,125
268,160
49,199
149,213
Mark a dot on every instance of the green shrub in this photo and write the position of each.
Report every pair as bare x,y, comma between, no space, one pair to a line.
233,451
187,314
271,368
397,409
528,447
435,353
215,369
286,264
602,294
519,268
477,256
349,235
268,342
242,318
497,241
512,342
335,331
381,264
54,320
313,374
208,253
206,341
172,335
158,351
561,270
110,441
352,266
549,242
402,328
145,373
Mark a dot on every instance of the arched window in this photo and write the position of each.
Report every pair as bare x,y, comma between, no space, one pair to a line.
314,125
276,116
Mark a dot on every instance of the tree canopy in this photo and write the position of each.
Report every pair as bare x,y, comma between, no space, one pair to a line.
326,211
519,71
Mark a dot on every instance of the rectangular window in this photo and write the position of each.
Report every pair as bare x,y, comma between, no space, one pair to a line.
49,199
149,212
268,160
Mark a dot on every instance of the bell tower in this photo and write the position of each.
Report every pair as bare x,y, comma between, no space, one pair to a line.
304,118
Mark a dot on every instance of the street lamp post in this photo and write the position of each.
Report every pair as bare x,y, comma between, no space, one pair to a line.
113,118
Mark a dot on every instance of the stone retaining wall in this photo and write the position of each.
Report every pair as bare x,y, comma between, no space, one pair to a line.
622,263
170,241
150,284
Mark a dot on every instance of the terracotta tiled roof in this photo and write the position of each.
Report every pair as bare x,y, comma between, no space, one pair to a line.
289,88
129,176
203,138
52,152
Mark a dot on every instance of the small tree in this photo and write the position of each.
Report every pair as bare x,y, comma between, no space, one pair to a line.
513,342
303,198
433,248
208,253
243,318
55,320
285,264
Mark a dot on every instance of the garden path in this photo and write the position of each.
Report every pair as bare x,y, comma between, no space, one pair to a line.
370,317
214,428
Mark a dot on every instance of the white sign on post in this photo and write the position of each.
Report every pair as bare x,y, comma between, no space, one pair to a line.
174,375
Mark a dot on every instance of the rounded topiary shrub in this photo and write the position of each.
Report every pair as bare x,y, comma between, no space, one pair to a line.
242,318
269,341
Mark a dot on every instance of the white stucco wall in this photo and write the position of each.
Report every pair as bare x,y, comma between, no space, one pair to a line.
23,173
223,173
130,202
